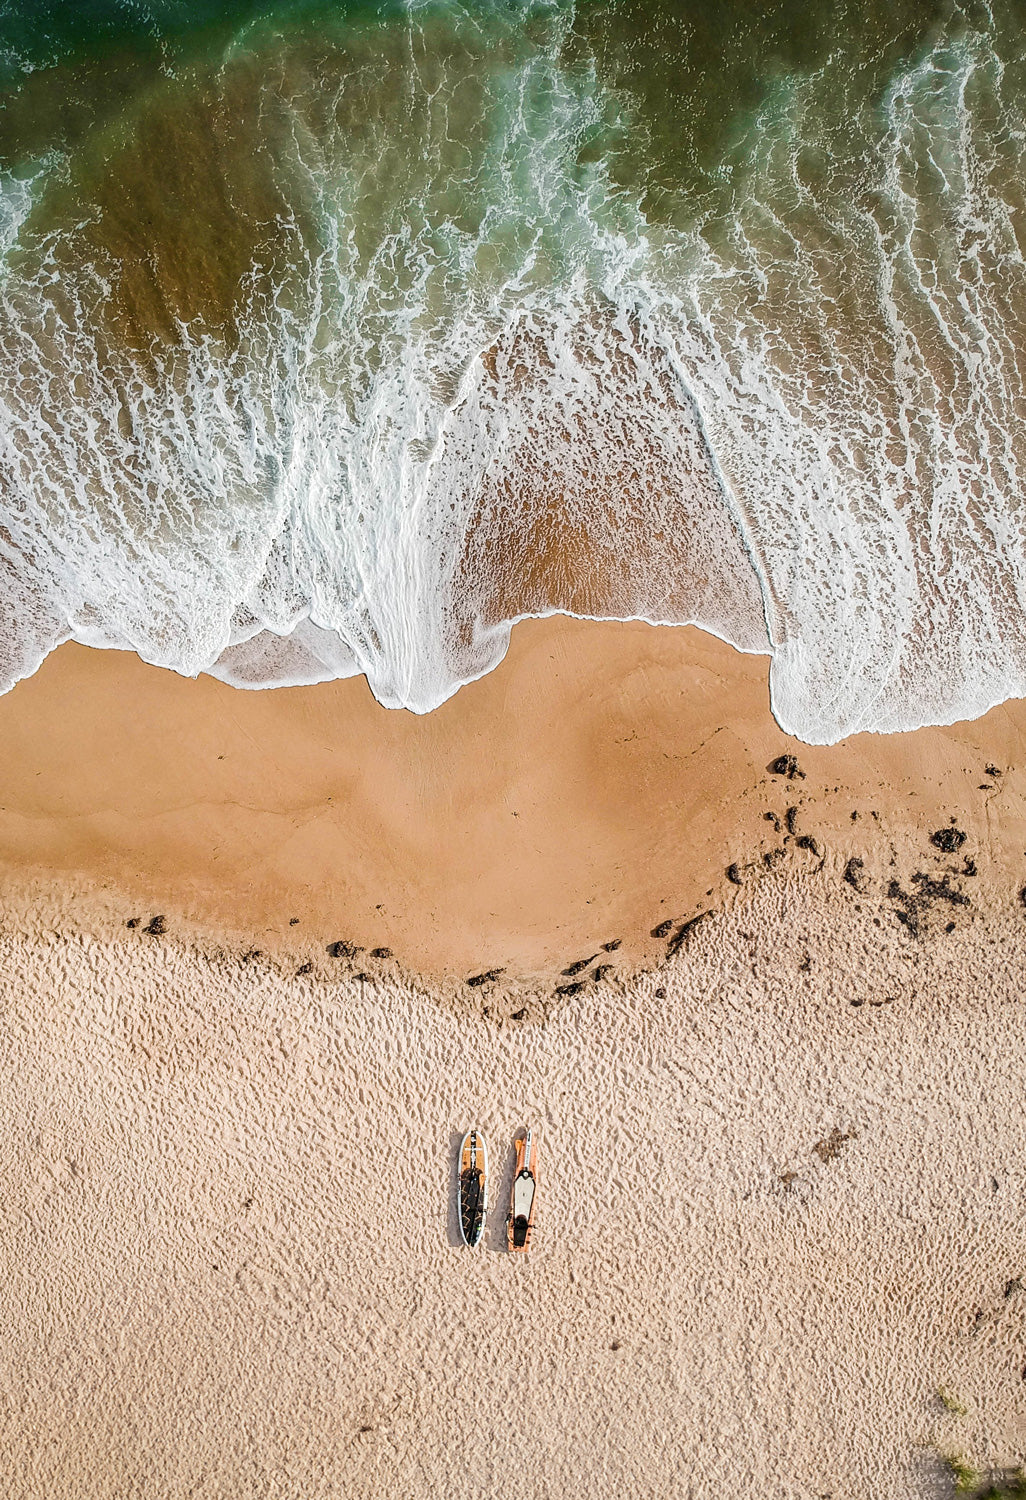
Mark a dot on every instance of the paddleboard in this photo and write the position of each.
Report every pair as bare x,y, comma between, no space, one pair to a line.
520,1224
473,1187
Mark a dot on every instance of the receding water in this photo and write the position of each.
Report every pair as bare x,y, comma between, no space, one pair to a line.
334,339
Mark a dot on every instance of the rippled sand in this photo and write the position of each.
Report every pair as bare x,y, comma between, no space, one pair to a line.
782,1205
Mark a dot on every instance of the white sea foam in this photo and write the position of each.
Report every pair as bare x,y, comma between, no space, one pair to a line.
875,439
484,386
16,196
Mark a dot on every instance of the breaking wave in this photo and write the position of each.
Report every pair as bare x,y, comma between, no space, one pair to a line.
340,351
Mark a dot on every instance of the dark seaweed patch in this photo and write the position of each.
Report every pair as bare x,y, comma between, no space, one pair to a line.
476,980
914,906
578,966
948,840
683,934
341,949
785,765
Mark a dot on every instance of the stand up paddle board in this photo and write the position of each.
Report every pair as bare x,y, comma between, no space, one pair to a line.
524,1196
473,1187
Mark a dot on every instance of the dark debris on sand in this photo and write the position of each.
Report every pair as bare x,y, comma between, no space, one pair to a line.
853,874
733,873
683,934
381,953
570,989
156,927
832,1145
476,980
948,840
785,765
806,841
342,949
914,906
578,966
611,947
661,929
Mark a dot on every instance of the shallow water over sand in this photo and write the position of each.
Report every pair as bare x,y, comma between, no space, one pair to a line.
333,341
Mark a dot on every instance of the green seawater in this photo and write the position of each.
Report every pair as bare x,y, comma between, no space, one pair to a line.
697,75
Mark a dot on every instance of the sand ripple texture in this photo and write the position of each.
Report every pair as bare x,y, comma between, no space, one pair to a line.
772,1224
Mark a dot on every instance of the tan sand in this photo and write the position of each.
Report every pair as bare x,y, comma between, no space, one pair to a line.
599,782
783,1198
773,1224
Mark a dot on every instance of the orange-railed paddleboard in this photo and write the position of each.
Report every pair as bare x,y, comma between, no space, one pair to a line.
524,1197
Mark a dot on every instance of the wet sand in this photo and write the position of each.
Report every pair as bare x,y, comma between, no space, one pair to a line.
781,1240
599,783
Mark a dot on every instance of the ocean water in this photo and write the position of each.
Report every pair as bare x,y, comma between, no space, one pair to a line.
336,338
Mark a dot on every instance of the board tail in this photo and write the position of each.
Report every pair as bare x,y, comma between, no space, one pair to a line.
520,1223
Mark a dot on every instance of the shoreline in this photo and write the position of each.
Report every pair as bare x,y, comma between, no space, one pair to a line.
605,779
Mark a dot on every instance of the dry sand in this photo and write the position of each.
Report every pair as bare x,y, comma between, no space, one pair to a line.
783,1171
772,1225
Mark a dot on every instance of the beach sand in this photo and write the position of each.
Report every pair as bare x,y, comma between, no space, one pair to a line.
783,1151
599,782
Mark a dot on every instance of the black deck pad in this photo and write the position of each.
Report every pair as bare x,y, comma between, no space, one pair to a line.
471,1203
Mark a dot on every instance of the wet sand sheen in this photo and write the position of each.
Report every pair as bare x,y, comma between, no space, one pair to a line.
598,784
